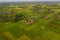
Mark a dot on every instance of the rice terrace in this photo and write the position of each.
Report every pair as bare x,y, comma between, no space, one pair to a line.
30,21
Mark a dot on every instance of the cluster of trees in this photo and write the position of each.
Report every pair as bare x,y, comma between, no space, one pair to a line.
9,13
4,17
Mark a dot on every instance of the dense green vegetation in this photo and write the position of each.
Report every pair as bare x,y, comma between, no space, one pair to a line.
30,22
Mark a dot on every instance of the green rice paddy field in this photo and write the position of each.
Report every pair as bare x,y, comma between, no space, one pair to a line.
30,21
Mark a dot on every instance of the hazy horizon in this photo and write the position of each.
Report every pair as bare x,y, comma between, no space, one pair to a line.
25,0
